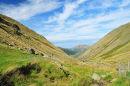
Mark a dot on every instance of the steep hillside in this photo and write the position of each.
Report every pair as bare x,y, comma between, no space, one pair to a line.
115,46
16,35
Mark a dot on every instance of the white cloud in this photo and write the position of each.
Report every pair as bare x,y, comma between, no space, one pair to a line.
70,36
68,10
59,37
116,15
102,5
125,3
93,27
27,9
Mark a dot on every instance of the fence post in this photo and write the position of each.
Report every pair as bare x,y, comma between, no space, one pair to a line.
119,68
128,66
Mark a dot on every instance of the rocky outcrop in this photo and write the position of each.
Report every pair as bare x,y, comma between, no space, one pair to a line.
31,51
16,29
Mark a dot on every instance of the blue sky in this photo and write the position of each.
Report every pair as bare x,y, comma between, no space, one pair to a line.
67,23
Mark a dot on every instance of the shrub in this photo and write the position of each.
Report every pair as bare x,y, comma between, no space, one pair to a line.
108,77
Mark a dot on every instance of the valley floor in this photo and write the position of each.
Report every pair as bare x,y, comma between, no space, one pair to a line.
18,68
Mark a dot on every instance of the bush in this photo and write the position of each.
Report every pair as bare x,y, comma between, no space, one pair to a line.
108,77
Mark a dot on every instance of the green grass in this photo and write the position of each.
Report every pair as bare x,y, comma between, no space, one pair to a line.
12,57
121,81
50,74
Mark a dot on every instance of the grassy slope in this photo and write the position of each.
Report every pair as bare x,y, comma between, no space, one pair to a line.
114,46
13,59
51,73
28,39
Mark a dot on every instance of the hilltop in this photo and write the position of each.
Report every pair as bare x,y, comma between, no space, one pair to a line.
16,35
113,47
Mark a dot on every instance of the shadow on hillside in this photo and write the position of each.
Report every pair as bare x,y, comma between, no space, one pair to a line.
8,79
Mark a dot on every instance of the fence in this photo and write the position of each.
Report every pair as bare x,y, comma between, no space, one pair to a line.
123,68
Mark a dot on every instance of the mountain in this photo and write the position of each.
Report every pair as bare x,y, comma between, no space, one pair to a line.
80,49
68,51
113,47
76,50
16,35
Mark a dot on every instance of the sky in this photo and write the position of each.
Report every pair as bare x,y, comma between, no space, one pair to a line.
67,23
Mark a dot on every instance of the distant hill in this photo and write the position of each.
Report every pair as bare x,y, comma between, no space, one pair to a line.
80,49
76,50
15,34
113,47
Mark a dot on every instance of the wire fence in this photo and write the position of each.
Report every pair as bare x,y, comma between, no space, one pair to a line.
123,68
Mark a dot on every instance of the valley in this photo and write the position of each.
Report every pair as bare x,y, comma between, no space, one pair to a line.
29,59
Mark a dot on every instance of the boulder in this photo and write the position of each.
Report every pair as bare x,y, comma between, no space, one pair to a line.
96,77
10,45
103,76
31,51
113,80
41,54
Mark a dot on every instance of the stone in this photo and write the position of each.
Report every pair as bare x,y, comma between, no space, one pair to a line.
41,54
10,45
31,51
16,29
103,76
96,77
113,80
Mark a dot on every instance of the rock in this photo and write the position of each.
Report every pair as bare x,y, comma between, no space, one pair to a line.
10,45
41,54
103,76
113,80
20,48
16,29
5,22
96,77
31,51
36,54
